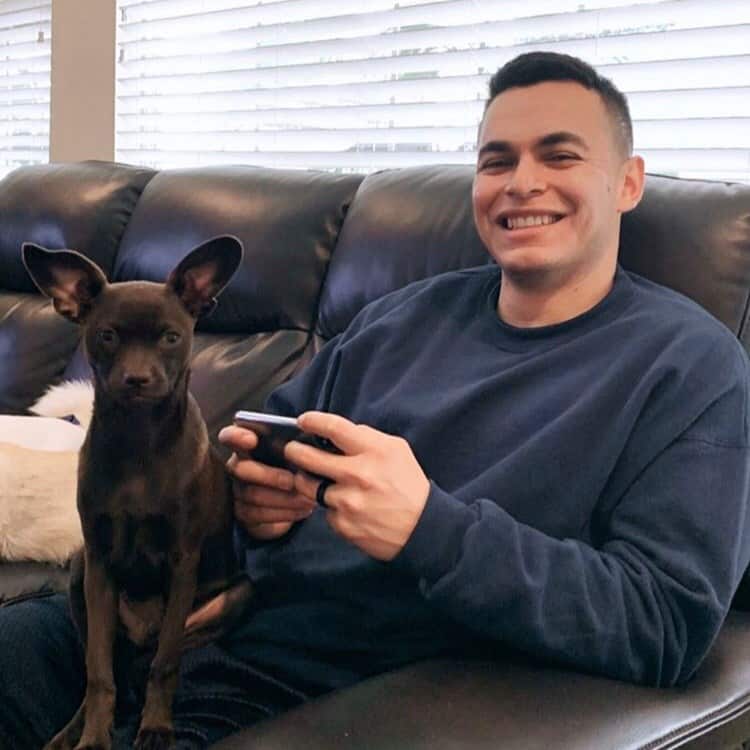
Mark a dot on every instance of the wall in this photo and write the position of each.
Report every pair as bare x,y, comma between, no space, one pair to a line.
82,99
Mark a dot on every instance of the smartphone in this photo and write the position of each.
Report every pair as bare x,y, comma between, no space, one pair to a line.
274,432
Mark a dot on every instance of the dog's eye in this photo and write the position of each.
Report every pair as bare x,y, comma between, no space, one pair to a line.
171,337
106,336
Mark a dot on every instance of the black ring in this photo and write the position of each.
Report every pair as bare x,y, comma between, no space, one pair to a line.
320,493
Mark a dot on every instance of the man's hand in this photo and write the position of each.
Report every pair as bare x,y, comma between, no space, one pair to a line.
266,502
218,615
379,489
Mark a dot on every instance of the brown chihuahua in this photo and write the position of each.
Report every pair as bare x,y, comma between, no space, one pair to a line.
155,501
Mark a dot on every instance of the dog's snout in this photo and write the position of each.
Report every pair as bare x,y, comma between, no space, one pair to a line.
138,376
136,380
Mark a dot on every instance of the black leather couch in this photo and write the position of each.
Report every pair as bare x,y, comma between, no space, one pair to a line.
317,248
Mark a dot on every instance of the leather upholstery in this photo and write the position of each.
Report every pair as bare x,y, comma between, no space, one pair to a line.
444,705
317,248
694,236
76,206
288,223
404,225
73,205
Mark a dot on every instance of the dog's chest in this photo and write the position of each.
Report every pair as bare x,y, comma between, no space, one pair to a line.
136,535
142,494
136,550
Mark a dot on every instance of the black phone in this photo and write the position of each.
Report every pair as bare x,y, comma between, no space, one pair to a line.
274,432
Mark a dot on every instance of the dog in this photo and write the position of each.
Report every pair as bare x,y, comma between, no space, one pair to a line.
155,502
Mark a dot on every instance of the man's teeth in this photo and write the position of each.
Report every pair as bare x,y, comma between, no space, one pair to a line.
518,222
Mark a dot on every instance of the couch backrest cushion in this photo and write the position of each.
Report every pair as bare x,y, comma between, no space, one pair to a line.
288,222
694,236
404,225
83,206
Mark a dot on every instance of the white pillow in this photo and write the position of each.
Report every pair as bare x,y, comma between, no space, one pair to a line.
73,397
41,433
38,515
38,476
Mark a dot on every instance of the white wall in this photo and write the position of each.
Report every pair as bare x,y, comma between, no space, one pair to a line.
82,98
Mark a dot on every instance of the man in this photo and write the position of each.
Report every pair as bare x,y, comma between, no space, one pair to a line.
560,467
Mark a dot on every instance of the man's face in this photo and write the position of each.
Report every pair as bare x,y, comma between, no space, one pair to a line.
551,182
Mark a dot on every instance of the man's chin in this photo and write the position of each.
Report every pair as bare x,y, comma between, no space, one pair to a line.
527,268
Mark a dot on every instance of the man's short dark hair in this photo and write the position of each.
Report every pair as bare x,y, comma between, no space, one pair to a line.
539,67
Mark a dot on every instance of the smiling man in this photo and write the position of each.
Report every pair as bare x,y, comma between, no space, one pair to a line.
559,466
564,468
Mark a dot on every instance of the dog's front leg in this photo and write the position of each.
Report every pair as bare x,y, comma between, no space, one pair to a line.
156,730
101,614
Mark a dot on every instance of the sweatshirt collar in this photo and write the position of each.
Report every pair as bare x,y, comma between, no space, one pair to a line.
514,338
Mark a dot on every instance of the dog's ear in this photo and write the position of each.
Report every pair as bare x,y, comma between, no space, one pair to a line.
202,274
69,278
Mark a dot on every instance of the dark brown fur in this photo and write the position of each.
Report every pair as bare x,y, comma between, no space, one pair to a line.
153,496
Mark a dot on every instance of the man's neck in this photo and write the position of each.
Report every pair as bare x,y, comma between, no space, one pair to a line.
536,302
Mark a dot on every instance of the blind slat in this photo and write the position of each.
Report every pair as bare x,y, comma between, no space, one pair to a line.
663,161
374,34
682,133
667,46
25,33
701,103
326,85
702,73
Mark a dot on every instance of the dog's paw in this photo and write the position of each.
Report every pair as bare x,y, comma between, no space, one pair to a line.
67,739
154,739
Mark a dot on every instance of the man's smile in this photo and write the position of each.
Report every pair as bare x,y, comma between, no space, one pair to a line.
515,220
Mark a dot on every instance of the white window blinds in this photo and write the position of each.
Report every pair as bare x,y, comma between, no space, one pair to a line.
324,84
25,29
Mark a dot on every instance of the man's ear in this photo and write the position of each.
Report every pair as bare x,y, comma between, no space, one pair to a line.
204,272
632,184
69,278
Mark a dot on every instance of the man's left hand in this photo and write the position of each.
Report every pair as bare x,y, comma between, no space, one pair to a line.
379,489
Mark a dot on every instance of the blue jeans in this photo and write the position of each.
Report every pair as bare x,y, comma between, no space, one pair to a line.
42,683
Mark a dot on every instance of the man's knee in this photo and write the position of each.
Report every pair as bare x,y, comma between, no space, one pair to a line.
36,627
42,667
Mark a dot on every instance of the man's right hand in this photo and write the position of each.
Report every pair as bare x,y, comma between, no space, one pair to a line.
265,501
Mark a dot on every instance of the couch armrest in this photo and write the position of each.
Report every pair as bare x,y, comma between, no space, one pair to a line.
450,704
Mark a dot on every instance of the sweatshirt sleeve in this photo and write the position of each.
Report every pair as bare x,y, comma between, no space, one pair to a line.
314,386
311,388
643,605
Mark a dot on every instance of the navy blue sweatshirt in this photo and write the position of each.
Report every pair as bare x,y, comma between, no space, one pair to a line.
589,489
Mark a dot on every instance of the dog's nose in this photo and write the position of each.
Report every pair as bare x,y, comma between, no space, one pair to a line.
136,380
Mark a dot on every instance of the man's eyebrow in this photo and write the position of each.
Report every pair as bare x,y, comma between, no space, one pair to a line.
495,147
562,136
551,139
